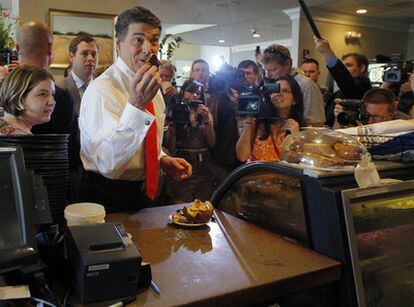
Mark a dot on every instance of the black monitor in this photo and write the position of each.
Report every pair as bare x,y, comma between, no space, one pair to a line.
17,211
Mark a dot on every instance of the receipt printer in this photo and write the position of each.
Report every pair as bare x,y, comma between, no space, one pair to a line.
105,262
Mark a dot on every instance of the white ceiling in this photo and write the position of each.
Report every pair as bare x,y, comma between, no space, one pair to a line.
233,20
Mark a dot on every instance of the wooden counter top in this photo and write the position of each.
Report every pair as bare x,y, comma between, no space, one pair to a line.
228,262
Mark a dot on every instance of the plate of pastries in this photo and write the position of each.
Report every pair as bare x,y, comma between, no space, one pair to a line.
322,149
196,214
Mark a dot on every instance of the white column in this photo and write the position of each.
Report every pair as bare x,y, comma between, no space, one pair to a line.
294,15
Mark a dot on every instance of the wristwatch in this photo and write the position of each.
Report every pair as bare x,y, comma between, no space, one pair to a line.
207,122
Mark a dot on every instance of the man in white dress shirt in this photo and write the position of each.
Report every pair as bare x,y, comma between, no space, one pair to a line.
83,54
115,119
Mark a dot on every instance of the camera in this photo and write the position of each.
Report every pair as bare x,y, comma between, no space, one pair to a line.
224,79
352,112
256,101
8,57
396,70
180,111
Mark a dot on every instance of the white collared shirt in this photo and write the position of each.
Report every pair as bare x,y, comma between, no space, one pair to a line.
113,130
79,83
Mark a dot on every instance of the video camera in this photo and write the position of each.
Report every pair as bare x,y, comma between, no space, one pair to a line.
396,70
353,111
256,101
226,78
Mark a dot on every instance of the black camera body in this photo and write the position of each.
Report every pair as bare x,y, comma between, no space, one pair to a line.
257,101
396,71
353,110
180,111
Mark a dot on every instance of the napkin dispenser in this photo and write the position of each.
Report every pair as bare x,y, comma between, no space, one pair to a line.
105,262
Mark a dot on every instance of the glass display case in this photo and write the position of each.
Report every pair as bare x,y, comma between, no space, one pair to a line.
380,224
307,206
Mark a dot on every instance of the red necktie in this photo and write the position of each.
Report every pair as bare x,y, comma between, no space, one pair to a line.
151,157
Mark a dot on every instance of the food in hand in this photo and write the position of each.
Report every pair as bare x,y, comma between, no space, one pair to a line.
153,61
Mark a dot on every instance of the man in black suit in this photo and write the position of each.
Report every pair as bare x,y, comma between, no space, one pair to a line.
83,54
35,48
349,73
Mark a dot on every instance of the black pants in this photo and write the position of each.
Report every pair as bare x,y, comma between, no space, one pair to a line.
114,195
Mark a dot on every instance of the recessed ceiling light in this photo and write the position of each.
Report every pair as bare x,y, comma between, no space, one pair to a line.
256,35
221,40
225,3
361,11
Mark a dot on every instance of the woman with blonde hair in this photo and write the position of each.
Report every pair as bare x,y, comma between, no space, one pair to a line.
27,98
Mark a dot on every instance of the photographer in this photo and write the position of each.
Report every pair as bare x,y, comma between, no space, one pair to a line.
406,98
261,138
378,105
277,61
190,135
349,73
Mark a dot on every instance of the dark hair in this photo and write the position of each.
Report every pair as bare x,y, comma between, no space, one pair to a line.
359,58
81,37
310,60
276,53
296,111
191,86
247,64
379,96
18,84
199,61
136,14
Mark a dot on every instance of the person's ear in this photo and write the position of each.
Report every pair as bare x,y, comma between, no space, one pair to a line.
362,69
18,47
71,57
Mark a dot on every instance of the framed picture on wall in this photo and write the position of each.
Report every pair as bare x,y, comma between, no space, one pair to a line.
66,25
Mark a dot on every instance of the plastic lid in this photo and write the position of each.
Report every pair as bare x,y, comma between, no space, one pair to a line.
322,148
85,210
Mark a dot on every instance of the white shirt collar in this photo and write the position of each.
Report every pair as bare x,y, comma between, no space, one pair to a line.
124,68
78,81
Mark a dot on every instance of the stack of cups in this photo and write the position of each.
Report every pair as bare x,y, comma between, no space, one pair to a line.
84,213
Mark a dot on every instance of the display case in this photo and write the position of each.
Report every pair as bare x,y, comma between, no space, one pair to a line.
308,206
380,224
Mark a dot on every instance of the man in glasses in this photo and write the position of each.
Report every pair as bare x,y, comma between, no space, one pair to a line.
276,62
380,105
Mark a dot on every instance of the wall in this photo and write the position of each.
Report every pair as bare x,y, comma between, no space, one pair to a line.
38,10
385,39
186,52
410,44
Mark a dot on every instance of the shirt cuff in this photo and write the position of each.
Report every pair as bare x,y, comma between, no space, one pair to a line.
136,119
331,61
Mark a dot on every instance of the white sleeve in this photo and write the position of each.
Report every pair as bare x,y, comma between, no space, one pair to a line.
110,134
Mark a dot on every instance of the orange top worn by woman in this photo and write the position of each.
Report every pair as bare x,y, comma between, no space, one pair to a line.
261,139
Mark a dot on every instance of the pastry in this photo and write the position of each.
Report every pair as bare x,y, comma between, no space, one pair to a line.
320,149
153,61
321,161
198,212
347,152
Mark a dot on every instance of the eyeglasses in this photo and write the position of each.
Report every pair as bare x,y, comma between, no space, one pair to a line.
378,118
